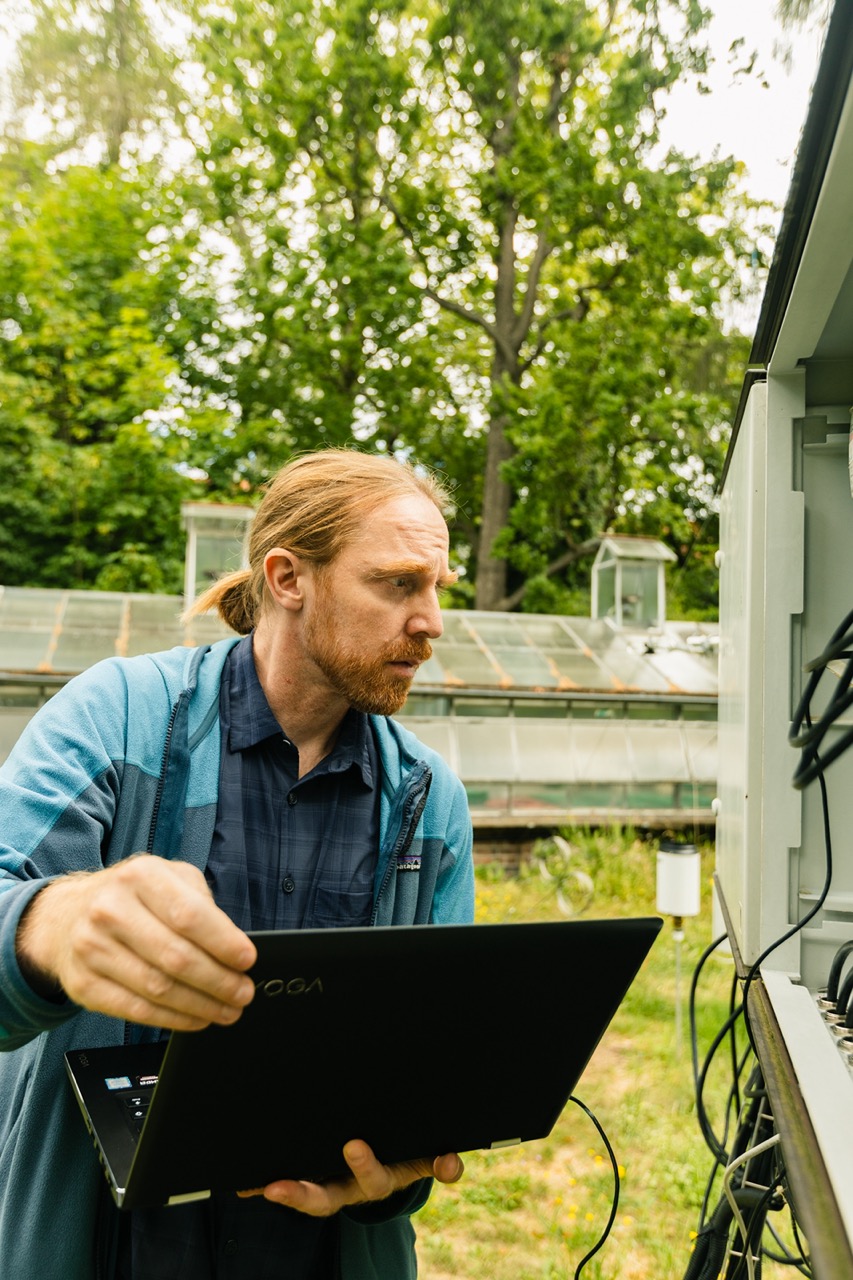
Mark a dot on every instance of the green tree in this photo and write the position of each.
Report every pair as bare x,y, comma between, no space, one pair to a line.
96,70
459,237
92,431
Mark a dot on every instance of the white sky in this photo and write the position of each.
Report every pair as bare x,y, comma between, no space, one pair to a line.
760,126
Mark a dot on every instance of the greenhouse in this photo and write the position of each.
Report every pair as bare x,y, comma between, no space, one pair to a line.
546,719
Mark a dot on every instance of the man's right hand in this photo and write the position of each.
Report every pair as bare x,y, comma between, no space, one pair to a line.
142,940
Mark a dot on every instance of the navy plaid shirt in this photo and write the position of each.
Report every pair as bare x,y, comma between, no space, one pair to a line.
291,852
287,852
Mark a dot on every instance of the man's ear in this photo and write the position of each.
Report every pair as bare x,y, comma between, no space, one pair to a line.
284,573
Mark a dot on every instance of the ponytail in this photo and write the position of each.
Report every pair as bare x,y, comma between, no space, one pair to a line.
231,596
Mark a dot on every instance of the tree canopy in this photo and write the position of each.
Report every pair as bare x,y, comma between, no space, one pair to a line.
446,231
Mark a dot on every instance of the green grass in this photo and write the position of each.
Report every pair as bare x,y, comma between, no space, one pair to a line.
532,1213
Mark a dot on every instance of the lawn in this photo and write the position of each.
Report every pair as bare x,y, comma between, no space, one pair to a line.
532,1213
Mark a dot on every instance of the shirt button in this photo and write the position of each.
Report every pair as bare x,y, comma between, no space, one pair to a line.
230,1248
291,798
288,884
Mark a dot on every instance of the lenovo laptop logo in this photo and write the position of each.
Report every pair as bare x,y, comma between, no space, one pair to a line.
289,986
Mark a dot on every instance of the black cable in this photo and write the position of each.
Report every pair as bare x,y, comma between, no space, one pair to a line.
835,970
821,899
716,1148
710,1137
616,1184
754,1224
845,991
810,765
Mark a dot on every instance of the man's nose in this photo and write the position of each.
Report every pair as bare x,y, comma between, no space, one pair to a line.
427,619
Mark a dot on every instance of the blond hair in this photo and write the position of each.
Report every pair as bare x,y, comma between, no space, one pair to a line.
312,507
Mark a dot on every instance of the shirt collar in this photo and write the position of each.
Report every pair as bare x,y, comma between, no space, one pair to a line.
251,720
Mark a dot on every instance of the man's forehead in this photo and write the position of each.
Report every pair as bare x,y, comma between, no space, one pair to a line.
414,522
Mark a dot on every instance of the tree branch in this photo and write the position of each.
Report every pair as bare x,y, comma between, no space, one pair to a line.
571,556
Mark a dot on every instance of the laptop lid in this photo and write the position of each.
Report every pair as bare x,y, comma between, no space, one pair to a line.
420,1040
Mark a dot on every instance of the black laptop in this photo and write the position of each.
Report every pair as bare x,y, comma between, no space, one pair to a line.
420,1040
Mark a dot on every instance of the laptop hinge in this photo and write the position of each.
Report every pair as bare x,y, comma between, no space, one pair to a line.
188,1197
507,1142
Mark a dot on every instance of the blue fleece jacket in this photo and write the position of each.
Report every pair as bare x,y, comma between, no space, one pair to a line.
125,759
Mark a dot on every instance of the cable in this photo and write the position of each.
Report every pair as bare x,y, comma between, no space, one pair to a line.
821,899
733,1201
811,765
835,970
616,1184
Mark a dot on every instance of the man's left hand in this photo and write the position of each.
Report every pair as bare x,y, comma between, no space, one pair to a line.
370,1181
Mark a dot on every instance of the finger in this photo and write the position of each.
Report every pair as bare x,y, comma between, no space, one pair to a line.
120,983
178,894
376,1180
448,1168
311,1198
116,938
120,1002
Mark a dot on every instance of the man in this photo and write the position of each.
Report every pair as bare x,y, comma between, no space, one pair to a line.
273,791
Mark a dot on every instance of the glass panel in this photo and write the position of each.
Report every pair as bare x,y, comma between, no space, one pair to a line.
77,650
639,595
544,750
632,671
456,629
218,551
487,799
29,605
579,669
702,750
686,672
547,633
601,751
497,629
485,749
597,710
94,611
13,695
525,667
465,665
556,710
606,591
152,641
481,707
150,613
425,704
529,798
604,796
24,650
12,724
204,630
648,795
658,751
436,734
652,710
699,710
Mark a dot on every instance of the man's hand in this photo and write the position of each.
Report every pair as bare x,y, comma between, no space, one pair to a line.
142,940
370,1181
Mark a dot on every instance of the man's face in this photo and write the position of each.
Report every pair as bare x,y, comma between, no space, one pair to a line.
375,608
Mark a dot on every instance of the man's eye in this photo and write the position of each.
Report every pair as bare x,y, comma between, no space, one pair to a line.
401,583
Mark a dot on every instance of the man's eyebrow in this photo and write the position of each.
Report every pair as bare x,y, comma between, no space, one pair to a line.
413,569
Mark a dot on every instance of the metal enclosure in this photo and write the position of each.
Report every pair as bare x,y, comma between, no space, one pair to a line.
786,584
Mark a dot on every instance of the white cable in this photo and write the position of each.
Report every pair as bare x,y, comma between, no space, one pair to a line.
738,1216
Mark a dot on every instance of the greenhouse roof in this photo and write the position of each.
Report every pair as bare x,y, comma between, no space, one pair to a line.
55,633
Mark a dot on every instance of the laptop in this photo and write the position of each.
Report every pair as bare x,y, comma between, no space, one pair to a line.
419,1039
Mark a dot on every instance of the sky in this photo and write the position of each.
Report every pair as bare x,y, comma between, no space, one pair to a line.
760,126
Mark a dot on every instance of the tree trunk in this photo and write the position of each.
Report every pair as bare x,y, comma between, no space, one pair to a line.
491,572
